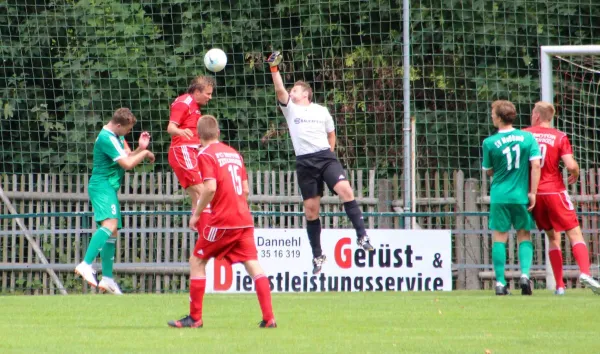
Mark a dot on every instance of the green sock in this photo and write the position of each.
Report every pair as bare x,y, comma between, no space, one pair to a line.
525,257
108,257
499,261
96,244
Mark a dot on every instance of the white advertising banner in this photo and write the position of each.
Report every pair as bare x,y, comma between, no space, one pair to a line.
404,260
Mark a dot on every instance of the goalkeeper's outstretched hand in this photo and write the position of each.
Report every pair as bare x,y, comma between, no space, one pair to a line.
274,60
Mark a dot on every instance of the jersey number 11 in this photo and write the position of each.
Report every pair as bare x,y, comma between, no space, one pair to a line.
509,158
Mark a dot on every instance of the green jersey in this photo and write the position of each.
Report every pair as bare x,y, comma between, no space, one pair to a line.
107,150
508,153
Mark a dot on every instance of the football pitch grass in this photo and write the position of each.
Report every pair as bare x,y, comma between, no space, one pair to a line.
456,322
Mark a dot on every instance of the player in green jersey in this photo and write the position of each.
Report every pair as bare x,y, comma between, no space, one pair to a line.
112,157
507,156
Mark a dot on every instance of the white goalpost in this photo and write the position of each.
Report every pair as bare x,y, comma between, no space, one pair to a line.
547,52
576,98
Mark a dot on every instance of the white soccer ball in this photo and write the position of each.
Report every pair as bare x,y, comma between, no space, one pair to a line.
215,60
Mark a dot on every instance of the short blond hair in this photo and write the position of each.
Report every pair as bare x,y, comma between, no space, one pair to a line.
505,110
546,110
208,128
123,116
200,83
306,87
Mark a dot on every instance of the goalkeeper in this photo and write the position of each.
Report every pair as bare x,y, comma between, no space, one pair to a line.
313,137
507,156
111,158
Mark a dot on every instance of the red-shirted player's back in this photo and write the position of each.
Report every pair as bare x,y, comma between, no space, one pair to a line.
553,145
229,206
185,112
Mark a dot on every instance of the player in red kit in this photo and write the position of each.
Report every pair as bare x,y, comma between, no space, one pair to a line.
229,231
553,210
183,120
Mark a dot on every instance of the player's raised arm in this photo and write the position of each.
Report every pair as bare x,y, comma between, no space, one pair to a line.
129,162
143,143
282,94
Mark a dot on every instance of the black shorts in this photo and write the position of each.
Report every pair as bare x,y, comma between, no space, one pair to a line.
317,168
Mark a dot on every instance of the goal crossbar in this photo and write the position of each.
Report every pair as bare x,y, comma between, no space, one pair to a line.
547,52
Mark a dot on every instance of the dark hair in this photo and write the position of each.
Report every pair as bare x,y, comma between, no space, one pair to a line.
505,110
200,83
123,116
208,128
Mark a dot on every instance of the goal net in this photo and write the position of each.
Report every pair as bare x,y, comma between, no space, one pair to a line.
571,80
68,65
577,86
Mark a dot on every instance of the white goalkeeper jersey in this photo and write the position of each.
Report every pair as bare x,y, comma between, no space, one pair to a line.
308,127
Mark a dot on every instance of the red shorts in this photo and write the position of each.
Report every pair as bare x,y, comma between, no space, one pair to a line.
204,217
233,245
555,211
184,161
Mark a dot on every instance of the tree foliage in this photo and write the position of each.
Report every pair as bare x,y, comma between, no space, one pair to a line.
468,53
67,65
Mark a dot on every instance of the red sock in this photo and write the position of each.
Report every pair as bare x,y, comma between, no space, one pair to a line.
197,287
556,260
580,252
263,291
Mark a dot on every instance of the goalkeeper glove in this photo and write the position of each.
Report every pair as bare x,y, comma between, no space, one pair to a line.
274,59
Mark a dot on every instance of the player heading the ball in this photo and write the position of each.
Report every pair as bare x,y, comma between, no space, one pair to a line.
508,156
183,152
111,158
229,230
313,136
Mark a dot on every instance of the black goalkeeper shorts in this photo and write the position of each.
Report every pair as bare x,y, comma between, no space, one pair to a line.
316,169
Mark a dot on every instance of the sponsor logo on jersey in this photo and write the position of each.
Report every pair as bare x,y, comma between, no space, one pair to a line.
313,121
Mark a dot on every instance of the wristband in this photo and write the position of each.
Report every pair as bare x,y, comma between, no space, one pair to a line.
274,69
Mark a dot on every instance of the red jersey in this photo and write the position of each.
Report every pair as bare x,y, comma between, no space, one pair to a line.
185,112
229,208
553,145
